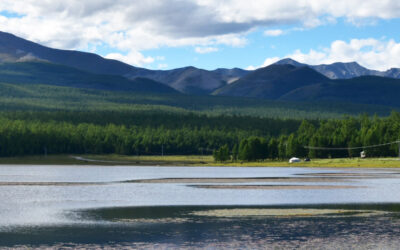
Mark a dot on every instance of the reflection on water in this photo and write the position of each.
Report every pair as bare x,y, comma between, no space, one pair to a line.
181,227
140,206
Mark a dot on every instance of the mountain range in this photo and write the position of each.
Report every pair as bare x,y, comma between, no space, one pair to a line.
285,82
23,61
189,80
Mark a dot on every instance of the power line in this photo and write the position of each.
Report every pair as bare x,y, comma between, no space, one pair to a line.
351,148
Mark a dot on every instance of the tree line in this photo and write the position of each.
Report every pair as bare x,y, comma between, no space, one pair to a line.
227,137
128,133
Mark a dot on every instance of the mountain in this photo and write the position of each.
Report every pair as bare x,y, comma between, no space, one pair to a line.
343,70
15,49
191,80
188,80
25,62
60,75
285,82
272,82
290,62
393,73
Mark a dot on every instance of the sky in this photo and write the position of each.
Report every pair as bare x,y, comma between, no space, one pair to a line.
210,34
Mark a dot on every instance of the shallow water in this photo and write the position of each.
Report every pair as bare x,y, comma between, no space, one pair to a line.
44,206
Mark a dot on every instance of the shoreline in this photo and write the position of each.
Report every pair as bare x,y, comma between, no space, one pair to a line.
193,161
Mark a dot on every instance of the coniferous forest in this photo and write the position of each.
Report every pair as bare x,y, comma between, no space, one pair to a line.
351,132
243,138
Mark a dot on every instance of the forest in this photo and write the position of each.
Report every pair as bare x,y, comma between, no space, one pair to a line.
243,138
131,133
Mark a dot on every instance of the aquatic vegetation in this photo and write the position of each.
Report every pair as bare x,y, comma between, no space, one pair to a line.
282,212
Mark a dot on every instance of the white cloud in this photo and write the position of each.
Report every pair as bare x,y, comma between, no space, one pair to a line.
133,57
151,24
267,62
371,53
273,32
154,23
162,66
205,50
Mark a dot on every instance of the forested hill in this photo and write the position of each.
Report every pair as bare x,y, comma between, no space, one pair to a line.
365,89
59,75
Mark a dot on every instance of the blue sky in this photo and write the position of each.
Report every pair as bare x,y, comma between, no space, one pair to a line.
165,34
259,46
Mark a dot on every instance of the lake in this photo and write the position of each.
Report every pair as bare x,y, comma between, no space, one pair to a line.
198,207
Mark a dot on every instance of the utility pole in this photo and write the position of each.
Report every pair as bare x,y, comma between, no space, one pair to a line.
162,150
398,142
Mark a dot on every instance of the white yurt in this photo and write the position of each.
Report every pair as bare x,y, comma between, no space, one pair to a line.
294,159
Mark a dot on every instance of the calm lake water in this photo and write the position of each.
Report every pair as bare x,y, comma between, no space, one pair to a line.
92,206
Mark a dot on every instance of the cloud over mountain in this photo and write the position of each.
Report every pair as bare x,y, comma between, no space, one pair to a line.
131,27
371,53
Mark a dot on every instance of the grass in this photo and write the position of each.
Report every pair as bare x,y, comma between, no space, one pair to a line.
193,160
343,162
41,160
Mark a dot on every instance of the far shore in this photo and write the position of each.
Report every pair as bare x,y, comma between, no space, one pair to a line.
192,160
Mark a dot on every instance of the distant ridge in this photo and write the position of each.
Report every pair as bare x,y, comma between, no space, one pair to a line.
191,80
343,70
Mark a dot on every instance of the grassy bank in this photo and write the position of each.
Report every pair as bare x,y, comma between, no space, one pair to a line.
180,160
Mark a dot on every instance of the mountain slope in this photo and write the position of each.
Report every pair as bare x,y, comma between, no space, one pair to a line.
366,89
59,75
272,82
230,75
14,49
